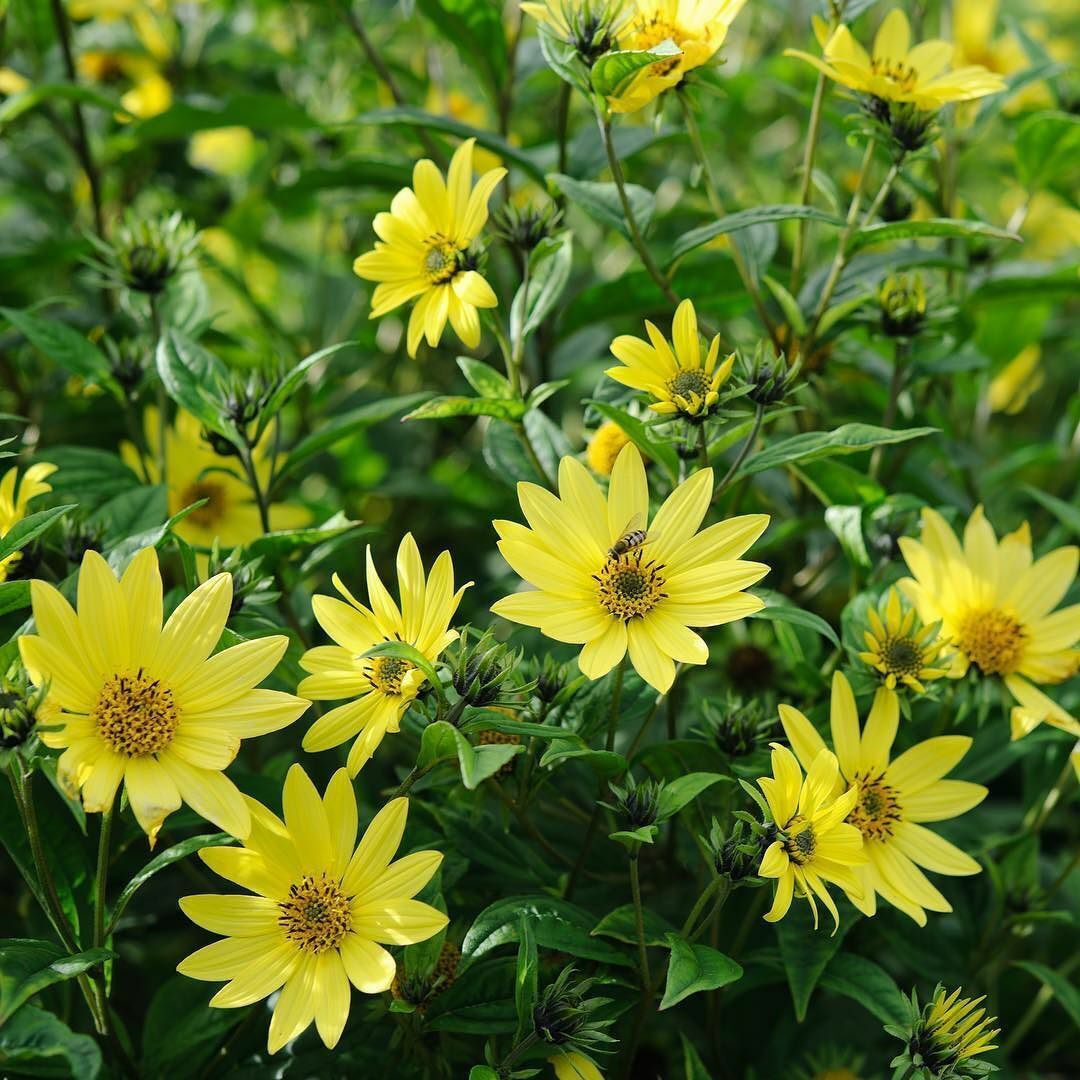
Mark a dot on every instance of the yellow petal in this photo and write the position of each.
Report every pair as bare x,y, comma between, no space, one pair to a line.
234,916
369,966
377,847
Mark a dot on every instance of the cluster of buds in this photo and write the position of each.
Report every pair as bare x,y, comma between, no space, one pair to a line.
901,125
251,586
420,990
146,253
245,396
590,27
736,854
736,727
769,376
902,301
637,804
565,1015
21,706
481,673
943,1038
525,228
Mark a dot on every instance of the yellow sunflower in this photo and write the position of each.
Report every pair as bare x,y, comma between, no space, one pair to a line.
898,649
194,471
897,71
423,251
996,606
893,799
814,847
147,704
592,588
673,374
321,911
381,687
14,504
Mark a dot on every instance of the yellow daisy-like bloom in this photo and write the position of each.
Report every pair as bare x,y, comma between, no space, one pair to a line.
150,93
570,1065
382,687
14,504
697,27
897,71
674,374
1012,387
147,704
596,585
422,251
958,1027
605,446
321,912
893,799
901,651
227,151
996,607
195,471
815,846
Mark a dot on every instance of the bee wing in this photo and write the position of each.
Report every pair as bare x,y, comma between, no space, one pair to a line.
635,524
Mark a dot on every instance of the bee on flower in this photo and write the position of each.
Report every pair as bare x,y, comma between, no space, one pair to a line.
899,649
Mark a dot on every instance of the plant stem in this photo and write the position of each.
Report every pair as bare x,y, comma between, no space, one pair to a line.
699,906
248,460
516,1052
562,126
613,712
703,446
1036,819
1038,1003
101,877
759,415
417,772
807,181
162,399
639,920
896,385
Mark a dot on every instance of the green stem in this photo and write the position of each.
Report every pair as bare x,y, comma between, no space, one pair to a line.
807,181
639,920
703,446
1036,819
162,398
503,1068
759,416
417,772
1038,1003
896,386
248,460
718,906
101,877
613,712
699,906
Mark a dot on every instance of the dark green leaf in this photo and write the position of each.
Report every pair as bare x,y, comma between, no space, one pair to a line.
28,966
806,952
867,983
292,382
779,609
744,219
32,1041
67,347
1058,985
693,968
641,435
525,980
1066,513
684,789
621,924
475,28
601,201
30,527
887,231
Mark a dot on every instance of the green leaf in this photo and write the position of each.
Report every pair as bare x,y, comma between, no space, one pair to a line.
613,72
14,596
778,608
1066,513
887,231
601,201
621,924
1048,149
505,456
490,720
292,382
632,839
806,952
549,271
812,445
478,763
693,1066
30,527
19,104
87,474
693,968
194,378
845,523
33,1038
286,540
525,980
1057,985
475,29
602,762
788,304
162,860
73,351
482,1004
641,435
483,1072
556,924
484,379
439,408
744,219
260,112
684,789
437,743
28,966
867,983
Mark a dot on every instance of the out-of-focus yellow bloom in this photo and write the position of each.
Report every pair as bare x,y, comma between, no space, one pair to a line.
466,109
150,20
1050,226
11,82
227,151
897,71
13,506
605,446
151,93
1011,388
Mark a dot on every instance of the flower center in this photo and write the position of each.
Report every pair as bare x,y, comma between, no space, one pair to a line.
901,656
386,672
878,810
689,383
628,587
902,75
315,917
135,714
801,842
216,504
441,260
651,32
993,640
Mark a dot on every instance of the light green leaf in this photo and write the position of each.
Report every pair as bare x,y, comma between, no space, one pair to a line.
437,743
601,201
525,979
478,763
614,71
549,271
887,231
845,523
28,966
1057,985
1048,149
641,435
1066,513
292,382
30,527
744,219
788,304
684,789
484,379
440,408
18,104
693,968
475,29
778,608
194,379
73,351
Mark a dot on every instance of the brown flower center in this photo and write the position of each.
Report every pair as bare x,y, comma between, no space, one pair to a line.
801,842
993,640
315,917
385,673
877,811
629,587
902,75
135,714
688,383
213,510
901,656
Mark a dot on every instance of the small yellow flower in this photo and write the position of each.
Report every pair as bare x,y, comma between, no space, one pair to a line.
901,651
893,798
674,374
13,506
605,446
570,1065
815,846
150,93
11,82
147,704
958,1028
422,251
897,71
996,607
1012,387
381,687
321,911
593,587
228,151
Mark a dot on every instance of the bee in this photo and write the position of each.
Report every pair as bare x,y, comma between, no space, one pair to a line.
632,536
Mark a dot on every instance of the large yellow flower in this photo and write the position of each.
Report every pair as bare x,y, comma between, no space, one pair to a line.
423,251
897,71
592,588
13,505
195,471
814,846
996,607
674,374
382,687
321,912
146,704
893,799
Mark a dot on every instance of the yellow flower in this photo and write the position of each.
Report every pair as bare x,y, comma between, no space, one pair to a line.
674,374
150,20
996,607
146,704
958,1028
228,151
898,72
697,27
899,650
570,1065
13,506
320,914
594,587
11,82
892,799
1011,387
468,110
151,93
605,446
381,687
815,846
422,251
194,471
